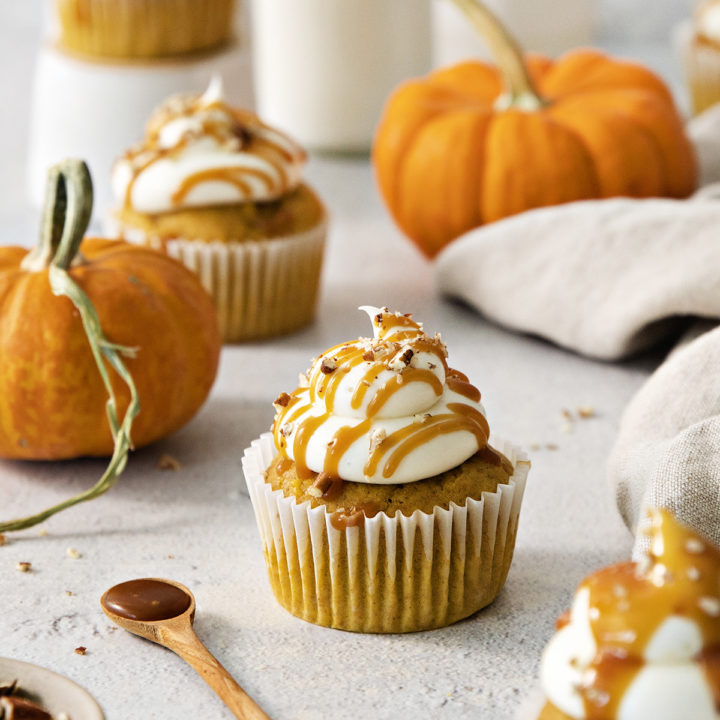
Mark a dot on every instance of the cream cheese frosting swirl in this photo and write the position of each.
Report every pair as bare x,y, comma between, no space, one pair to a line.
643,640
198,151
382,410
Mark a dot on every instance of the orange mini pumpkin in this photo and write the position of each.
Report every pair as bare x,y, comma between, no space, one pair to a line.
473,143
52,397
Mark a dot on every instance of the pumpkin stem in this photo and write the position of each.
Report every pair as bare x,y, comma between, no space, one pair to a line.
65,218
67,212
508,55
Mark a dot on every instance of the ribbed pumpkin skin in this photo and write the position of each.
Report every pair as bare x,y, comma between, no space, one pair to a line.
447,161
52,400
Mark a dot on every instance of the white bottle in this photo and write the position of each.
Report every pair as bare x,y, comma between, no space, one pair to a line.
324,68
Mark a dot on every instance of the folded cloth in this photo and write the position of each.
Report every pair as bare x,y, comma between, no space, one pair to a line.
607,279
668,450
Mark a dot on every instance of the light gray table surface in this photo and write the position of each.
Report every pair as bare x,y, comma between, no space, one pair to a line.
196,526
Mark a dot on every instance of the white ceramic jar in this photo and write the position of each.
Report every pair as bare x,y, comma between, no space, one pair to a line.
324,68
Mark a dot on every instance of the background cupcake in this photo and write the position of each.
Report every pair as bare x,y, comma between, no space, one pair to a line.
222,192
380,504
702,56
143,28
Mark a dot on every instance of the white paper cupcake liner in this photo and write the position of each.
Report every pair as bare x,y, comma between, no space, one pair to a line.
391,574
260,288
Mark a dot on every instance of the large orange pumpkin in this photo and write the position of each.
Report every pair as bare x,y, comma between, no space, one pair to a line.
52,398
473,143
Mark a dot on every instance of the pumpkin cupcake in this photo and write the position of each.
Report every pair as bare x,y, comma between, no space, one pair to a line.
380,504
641,641
126,29
702,56
222,192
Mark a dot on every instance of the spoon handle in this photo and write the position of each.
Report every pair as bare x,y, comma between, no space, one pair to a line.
189,647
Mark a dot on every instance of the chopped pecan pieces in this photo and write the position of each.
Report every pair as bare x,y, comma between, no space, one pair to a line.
282,400
377,437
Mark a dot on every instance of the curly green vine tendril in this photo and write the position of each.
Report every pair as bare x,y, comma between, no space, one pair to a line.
65,218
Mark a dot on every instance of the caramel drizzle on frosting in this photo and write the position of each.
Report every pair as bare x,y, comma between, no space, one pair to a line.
399,338
629,602
246,133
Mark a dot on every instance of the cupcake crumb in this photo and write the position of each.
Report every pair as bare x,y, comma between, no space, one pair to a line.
81,650
23,566
73,553
586,411
168,462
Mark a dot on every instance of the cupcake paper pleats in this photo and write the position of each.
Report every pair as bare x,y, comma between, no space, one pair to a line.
389,574
260,288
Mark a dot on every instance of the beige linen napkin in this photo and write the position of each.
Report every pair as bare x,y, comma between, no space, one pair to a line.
608,279
605,278
668,450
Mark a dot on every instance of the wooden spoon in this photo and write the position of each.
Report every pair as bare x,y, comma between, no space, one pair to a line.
163,611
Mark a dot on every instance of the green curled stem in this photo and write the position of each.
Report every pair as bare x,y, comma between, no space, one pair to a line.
68,207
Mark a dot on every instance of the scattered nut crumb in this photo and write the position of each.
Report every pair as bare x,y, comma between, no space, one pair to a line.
81,650
551,446
710,606
328,365
69,593
377,437
586,411
694,546
566,414
73,553
369,356
168,462
170,557
282,400
23,566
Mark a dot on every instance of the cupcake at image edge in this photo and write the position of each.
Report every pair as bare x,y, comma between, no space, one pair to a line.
641,640
702,56
127,29
380,504
222,192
